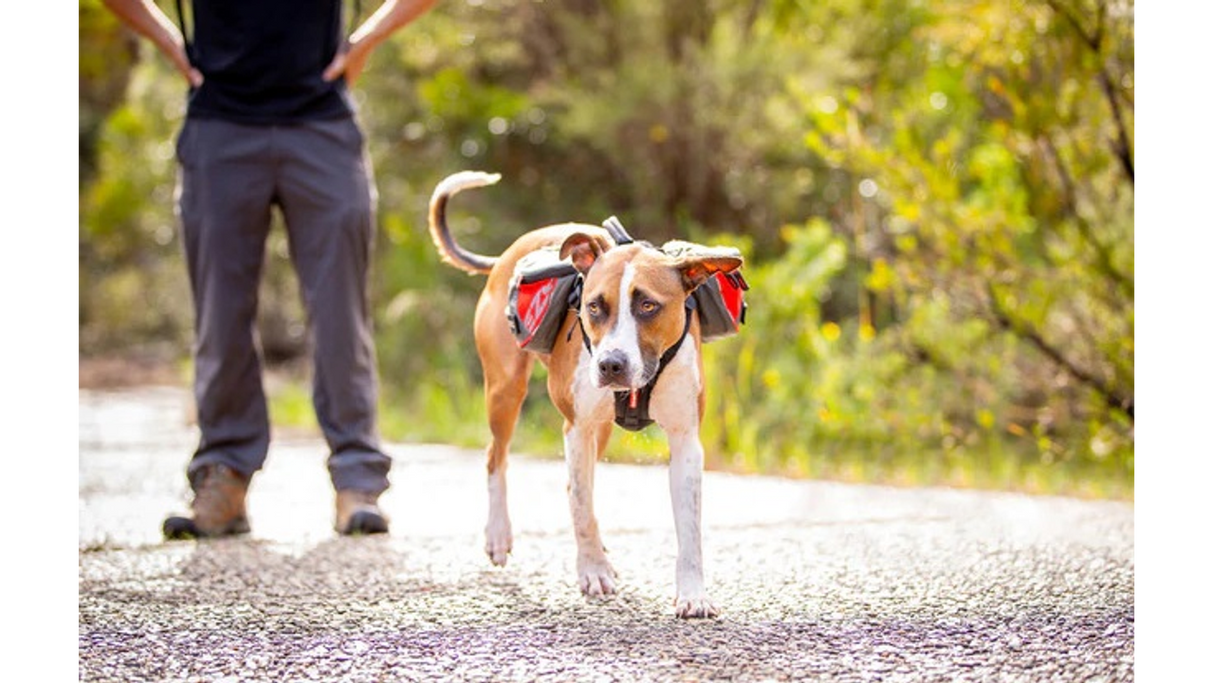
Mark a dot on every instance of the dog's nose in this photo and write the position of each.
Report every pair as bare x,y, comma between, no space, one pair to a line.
613,367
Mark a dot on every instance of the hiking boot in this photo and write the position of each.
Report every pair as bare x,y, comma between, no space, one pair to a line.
358,513
219,493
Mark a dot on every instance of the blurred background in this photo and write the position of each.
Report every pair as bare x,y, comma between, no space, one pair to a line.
935,199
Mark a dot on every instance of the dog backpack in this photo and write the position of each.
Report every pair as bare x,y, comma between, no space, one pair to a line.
720,302
543,290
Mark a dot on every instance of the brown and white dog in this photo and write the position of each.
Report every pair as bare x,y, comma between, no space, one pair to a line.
633,311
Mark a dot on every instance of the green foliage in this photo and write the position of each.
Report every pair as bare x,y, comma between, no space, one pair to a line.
763,405
107,55
132,283
996,233
935,201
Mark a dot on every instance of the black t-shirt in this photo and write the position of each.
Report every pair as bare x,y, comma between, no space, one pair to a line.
262,60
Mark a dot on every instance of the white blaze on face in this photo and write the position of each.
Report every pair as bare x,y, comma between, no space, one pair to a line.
623,335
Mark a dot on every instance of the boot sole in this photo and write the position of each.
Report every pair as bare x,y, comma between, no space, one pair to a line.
186,529
366,522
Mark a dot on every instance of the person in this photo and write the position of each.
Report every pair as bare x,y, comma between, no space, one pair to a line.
269,121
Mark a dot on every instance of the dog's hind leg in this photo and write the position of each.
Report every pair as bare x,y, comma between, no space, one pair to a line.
507,370
595,574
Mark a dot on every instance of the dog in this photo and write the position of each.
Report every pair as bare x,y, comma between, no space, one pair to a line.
632,319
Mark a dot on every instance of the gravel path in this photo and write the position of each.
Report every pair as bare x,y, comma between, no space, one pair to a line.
816,581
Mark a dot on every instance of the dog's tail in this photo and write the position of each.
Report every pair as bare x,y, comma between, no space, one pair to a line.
448,249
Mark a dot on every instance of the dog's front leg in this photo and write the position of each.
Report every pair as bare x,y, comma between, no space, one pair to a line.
686,476
595,574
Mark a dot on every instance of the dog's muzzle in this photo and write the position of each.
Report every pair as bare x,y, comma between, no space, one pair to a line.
617,372
614,370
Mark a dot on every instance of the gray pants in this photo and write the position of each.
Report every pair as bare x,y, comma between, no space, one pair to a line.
230,176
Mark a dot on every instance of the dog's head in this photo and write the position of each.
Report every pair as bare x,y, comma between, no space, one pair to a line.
633,301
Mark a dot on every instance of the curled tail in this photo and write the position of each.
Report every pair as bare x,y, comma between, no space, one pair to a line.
448,249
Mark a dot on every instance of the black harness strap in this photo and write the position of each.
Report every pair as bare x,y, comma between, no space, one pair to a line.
185,34
632,407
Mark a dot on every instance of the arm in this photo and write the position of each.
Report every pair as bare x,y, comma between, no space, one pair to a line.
146,19
390,16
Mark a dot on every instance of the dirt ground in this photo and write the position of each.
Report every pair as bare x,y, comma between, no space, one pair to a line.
114,371
815,580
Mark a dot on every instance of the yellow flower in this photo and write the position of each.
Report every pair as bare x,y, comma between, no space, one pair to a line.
771,377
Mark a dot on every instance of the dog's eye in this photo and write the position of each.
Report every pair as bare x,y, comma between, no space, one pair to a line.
648,307
594,308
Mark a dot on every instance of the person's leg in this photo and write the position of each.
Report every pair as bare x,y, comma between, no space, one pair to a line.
328,197
225,191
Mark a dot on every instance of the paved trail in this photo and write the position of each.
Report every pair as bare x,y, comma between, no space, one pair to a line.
814,580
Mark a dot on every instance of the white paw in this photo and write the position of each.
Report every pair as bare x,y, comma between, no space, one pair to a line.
498,541
699,607
596,577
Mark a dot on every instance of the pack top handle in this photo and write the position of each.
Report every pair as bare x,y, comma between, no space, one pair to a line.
617,231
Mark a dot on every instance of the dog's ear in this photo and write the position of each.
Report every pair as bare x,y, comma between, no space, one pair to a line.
696,263
583,250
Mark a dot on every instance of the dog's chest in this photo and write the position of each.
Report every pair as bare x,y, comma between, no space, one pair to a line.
674,403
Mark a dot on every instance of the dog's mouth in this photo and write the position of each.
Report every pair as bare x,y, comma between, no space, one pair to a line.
620,386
